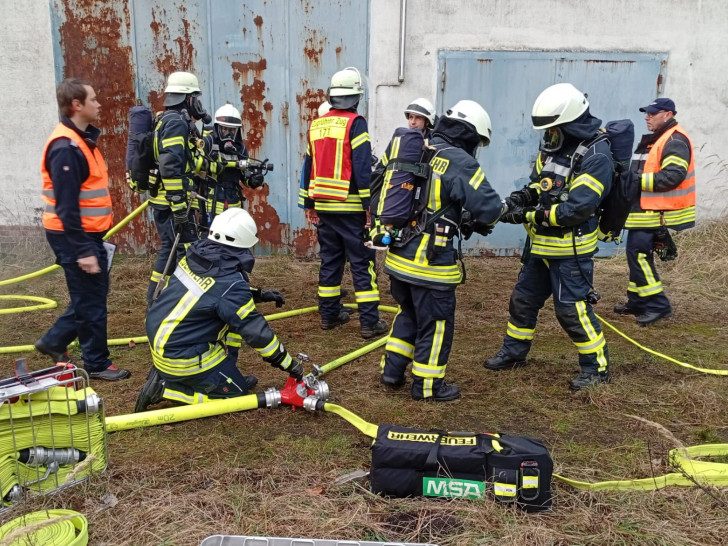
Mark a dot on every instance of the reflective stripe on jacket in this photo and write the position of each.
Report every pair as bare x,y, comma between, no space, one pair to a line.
330,145
94,200
458,183
676,206
572,202
188,324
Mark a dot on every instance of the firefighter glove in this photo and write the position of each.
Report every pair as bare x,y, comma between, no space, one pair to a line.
272,295
525,197
178,204
536,216
512,215
295,370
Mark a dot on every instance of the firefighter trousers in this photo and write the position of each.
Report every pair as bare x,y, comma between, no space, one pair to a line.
341,237
645,293
222,381
422,333
568,280
164,222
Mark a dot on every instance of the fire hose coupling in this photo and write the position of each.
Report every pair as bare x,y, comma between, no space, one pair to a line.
90,404
272,398
317,388
313,404
44,456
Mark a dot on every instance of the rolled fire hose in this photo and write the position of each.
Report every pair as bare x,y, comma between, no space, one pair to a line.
47,527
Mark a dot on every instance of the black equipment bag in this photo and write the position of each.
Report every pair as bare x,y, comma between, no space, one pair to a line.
140,146
411,462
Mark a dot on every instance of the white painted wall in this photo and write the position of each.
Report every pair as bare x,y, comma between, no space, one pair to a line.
693,33
28,95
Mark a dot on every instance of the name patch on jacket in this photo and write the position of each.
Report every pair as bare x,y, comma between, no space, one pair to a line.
439,165
329,127
193,282
432,437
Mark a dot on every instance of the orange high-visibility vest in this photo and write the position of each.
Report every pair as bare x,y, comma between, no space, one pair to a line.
94,201
678,198
330,146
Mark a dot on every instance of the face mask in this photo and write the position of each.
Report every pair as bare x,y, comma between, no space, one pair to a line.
198,111
226,133
553,139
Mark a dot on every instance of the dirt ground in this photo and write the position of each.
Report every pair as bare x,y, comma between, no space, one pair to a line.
272,472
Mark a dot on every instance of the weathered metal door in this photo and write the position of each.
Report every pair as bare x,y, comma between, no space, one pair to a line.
507,83
271,60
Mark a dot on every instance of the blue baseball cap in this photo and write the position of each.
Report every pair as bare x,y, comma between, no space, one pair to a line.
659,105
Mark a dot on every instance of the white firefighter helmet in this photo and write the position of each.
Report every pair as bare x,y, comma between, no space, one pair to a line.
471,112
234,227
324,108
346,82
558,104
421,107
179,85
228,121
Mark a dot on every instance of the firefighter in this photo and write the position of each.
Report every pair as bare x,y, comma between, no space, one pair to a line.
420,114
225,143
175,152
424,272
664,170
76,217
207,296
335,195
558,211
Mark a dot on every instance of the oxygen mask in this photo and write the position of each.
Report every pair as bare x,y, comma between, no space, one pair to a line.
553,140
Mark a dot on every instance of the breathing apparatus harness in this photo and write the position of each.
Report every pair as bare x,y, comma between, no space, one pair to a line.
557,190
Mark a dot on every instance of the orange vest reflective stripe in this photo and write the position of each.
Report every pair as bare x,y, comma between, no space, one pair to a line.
94,200
330,145
679,198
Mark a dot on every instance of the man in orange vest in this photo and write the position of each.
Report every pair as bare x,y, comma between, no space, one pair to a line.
76,216
663,165
335,195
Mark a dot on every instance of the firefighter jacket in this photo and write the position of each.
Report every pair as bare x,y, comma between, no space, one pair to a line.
208,296
457,183
665,171
570,194
75,186
224,188
337,167
176,155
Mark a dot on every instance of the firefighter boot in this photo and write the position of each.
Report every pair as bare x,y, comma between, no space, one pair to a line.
151,392
588,379
626,309
330,324
503,361
446,393
373,330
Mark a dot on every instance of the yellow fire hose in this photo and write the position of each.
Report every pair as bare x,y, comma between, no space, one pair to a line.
47,303
47,527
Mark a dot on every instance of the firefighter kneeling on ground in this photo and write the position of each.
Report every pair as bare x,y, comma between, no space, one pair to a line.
207,296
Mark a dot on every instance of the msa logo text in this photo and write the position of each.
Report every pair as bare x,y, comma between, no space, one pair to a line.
452,488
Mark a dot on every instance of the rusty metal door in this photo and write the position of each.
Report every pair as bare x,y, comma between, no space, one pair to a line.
507,83
271,60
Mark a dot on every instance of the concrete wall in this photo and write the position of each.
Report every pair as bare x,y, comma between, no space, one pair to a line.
27,92
692,33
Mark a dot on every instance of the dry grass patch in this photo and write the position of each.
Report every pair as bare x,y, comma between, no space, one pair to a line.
268,472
